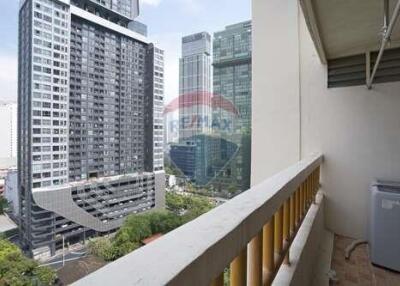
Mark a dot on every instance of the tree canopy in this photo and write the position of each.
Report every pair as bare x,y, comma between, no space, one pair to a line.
191,205
3,204
18,270
137,227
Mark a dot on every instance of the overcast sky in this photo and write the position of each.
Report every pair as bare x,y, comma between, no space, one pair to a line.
167,21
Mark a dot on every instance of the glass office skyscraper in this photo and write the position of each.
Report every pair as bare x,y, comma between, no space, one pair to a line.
195,111
215,129
90,120
232,83
195,86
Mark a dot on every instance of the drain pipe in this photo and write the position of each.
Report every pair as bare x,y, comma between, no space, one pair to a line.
386,37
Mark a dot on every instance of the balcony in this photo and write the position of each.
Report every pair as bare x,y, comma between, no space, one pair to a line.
274,233
264,228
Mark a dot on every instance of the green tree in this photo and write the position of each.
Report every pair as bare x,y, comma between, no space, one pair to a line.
171,169
190,206
163,221
174,202
124,248
102,247
46,275
7,248
137,227
3,205
16,269
190,187
180,209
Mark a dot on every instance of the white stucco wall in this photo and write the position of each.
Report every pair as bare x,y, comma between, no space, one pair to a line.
357,130
275,99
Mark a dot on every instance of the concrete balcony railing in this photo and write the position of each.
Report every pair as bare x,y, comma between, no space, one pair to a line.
257,234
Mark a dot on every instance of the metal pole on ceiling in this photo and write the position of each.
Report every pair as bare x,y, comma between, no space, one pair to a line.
386,37
385,15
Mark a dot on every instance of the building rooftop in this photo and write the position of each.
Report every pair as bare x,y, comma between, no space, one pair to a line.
152,238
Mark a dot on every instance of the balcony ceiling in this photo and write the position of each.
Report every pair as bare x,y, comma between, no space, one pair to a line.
347,27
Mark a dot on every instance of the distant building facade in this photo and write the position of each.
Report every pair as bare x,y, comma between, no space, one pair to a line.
194,103
232,82
171,129
195,86
8,131
215,128
202,159
11,191
90,120
138,27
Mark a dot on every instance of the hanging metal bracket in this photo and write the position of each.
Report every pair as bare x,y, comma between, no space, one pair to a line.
387,32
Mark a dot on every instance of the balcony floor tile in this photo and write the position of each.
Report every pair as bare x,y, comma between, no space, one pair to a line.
358,270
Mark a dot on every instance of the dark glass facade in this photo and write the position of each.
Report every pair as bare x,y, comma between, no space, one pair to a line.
106,102
232,83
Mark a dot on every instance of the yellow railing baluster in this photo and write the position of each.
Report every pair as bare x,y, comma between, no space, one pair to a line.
312,186
309,190
278,231
270,247
286,226
238,269
297,206
315,183
319,175
292,222
307,194
301,201
305,199
255,260
268,251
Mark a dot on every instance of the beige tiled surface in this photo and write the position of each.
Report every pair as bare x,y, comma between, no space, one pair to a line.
358,270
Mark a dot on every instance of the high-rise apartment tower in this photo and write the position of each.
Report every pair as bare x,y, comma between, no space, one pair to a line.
90,120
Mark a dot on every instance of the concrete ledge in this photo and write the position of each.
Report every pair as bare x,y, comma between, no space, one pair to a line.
322,265
304,249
